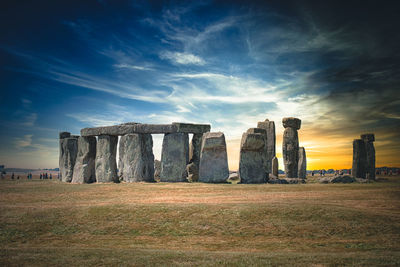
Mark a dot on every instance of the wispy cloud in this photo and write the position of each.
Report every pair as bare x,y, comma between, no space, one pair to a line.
133,67
182,58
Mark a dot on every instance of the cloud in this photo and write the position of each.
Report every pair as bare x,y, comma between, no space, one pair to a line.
134,67
23,142
182,58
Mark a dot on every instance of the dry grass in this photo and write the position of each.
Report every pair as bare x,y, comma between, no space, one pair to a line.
45,222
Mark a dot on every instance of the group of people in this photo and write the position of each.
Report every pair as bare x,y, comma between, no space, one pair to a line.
46,176
29,176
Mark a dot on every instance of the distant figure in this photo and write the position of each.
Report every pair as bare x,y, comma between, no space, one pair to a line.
40,177
18,177
47,176
312,173
320,173
12,176
58,175
341,172
51,177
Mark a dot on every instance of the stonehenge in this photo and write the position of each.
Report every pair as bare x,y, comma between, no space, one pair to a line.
290,146
364,157
95,160
84,170
213,159
91,157
252,157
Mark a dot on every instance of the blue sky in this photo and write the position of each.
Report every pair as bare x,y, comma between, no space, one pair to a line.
75,64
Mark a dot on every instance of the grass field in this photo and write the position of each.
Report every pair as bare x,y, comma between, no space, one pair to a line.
46,222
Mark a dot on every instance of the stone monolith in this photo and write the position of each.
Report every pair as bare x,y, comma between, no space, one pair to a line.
251,165
275,167
62,135
136,163
84,170
269,126
302,165
106,165
290,146
174,157
69,152
370,155
265,154
213,158
359,159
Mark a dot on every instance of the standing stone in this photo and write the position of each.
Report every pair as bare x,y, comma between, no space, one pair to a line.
269,126
136,162
61,158
69,152
275,167
84,170
290,146
106,165
265,154
370,155
359,159
213,159
174,157
251,164
302,165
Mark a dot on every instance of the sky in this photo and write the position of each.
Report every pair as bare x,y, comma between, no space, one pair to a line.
67,65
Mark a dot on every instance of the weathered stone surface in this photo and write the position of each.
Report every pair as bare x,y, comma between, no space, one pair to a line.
213,159
291,122
264,133
290,152
192,128
61,151
359,159
69,151
84,170
64,135
193,172
302,165
136,162
251,164
368,137
106,165
338,179
174,157
275,167
370,155
195,149
269,126
131,128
